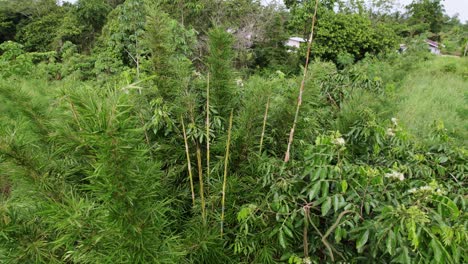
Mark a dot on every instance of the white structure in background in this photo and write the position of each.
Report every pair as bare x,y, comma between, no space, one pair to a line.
402,48
434,46
294,42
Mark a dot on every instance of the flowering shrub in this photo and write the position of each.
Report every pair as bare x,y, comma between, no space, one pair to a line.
340,209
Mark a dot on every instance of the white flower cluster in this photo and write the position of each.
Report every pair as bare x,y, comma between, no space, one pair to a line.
240,83
339,141
196,73
391,131
306,261
426,188
395,175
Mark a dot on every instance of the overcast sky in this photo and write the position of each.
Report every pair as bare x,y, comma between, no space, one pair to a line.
452,7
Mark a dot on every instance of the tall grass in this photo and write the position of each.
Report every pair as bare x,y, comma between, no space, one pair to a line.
436,92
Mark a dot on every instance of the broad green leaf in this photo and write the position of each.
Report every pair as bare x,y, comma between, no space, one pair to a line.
391,242
437,251
412,235
288,231
443,159
338,234
243,214
336,202
367,207
406,257
326,206
445,203
453,207
344,186
281,239
362,240
323,173
273,232
325,188
314,190
403,257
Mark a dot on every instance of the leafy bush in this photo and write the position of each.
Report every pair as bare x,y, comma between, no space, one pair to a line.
14,61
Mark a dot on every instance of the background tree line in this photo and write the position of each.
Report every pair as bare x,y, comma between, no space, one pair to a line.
346,29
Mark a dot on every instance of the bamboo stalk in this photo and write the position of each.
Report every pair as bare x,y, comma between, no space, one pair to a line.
305,238
265,116
142,121
226,160
301,90
200,168
200,177
75,115
208,133
189,166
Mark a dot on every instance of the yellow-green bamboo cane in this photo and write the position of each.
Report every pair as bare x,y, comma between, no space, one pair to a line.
226,160
189,166
208,133
200,177
301,90
265,116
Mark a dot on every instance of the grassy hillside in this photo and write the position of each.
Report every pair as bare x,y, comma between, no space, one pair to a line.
436,94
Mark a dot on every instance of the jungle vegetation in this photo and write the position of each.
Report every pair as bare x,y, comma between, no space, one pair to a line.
159,131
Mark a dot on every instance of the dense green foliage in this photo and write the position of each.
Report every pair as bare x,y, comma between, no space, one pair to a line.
115,123
426,15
